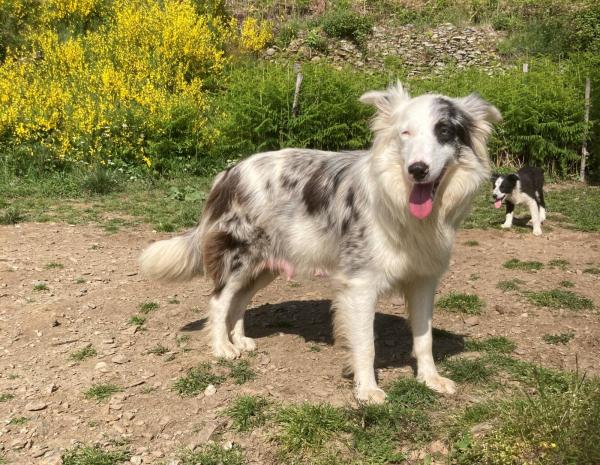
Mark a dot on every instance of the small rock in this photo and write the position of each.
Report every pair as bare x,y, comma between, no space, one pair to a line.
270,52
175,462
136,460
472,321
210,390
101,366
119,359
35,406
18,444
52,388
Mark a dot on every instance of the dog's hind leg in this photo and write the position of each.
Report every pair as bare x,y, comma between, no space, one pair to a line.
509,215
419,297
354,317
238,307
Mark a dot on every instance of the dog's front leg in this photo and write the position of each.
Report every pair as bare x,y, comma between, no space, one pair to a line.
509,215
354,317
419,299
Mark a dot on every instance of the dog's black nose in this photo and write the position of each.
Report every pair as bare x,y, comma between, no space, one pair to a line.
418,170
494,196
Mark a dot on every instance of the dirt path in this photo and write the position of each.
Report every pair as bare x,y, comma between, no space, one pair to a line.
91,299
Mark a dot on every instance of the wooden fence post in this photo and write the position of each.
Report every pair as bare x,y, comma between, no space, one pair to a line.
299,77
586,118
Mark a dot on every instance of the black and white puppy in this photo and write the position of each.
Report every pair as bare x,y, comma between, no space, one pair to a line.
527,187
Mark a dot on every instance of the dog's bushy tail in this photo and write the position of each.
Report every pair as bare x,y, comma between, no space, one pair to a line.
175,259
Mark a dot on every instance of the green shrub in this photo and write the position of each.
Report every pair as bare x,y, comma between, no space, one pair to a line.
345,24
256,110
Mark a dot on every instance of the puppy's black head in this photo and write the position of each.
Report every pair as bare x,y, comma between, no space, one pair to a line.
503,186
508,183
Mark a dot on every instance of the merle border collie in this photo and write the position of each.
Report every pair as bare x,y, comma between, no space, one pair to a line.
380,221
527,187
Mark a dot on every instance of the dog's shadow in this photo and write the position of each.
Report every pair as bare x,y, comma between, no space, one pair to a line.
312,320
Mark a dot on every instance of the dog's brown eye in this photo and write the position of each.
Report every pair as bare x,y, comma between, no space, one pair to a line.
405,133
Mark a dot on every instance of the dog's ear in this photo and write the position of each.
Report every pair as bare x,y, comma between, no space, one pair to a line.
480,109
384,101
513,178
494,177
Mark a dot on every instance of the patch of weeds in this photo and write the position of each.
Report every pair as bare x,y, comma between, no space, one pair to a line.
148,389
474,276
552,426
471,243
94,456
510,285
197,380
213,454
6,397
84,353
314,348
137,320
294,284
516,264
461,303
79,280
182,340
54,266
18,421
560,338
173,301
13,376
566,283
248,412
408,392
11,215
100,181
465,370
308,427
559,298
40,287
101,392
239,370
559,263
147,307
498,344
592,270
158,350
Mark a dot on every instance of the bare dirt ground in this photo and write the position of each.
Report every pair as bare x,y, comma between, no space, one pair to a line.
91,299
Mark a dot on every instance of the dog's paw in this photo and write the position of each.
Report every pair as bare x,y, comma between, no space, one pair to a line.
245,344
226,350
505,226
537,232
371,396
439,384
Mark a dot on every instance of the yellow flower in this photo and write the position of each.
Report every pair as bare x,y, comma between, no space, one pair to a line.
147,161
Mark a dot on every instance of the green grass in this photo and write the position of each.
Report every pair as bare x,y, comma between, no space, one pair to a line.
100,392
461,303
148,307
11,215
137,320
94,456
559,263
516,264
308,427
463,370
510,285
248,412
6,397
18,421
213,454
559,298
555,427
471,243
592,270
239,370
560,338
40,287
197,380
83,353
498,344
54,266
566,283
314,348
158,350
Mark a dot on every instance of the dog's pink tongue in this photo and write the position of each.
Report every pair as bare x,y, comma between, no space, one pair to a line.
498,203
420,202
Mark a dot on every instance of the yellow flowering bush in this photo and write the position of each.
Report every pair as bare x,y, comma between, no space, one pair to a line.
255,35
131,88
